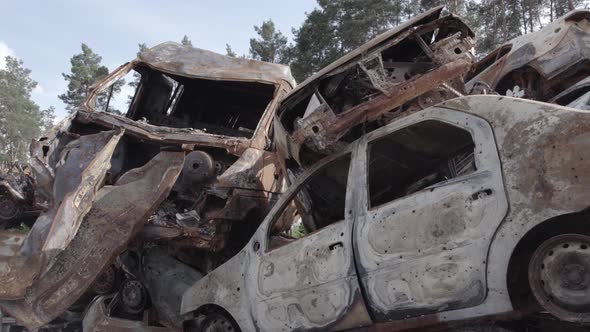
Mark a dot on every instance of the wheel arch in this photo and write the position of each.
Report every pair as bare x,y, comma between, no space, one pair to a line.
517,278
192,319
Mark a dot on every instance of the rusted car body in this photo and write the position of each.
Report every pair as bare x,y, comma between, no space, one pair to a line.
538,65
188,167
415,65
477,207
17,197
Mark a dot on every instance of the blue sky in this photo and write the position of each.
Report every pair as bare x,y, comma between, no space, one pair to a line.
45,34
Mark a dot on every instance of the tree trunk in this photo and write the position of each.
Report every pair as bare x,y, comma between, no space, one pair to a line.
523,2
531,16
503,23
570,4
495,32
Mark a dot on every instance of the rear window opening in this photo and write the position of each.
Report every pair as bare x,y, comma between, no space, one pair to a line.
218,107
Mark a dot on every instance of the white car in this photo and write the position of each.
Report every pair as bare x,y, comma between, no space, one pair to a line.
474,208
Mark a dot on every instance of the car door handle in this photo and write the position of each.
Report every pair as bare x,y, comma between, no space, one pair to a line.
336,245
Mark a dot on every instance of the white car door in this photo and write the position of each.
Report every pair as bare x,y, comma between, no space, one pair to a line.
431,198
306,279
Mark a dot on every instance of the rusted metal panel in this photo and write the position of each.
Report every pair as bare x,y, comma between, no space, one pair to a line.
111,222
18,202
73,198
192,137
98,320
328,128
542,64
402,71
255,170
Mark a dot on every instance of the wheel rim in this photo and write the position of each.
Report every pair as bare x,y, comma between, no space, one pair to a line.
105,282
8,209
559,276
218,323
134,296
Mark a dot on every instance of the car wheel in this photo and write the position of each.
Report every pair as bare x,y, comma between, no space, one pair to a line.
9,209
559,277
217,322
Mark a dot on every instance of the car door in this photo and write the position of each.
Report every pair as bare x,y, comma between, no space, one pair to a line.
432,198
305,274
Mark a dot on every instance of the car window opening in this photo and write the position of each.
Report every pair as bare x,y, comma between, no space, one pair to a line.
417,157
318,203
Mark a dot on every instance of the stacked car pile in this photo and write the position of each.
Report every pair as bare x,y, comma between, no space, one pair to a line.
422,192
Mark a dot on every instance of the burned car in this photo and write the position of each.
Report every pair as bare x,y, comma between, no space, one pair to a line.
17,197
473,209
175,186
415,65
539,65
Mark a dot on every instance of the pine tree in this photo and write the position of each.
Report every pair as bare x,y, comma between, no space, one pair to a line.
185,41
136,76
315,45
338,27
47,118
87,70
229,51
270,45
20,118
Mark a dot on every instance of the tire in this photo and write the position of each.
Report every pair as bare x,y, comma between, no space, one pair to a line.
10,210
559,277
212,322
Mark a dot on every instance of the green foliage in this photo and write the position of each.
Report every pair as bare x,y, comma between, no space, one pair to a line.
136,76
47,118
229,51
21,121
298,230
87,70
336,28
270,46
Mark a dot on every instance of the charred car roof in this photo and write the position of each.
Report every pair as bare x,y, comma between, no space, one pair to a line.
193,62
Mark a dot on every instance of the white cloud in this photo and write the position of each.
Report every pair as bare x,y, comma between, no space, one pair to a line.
40,90
4,51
